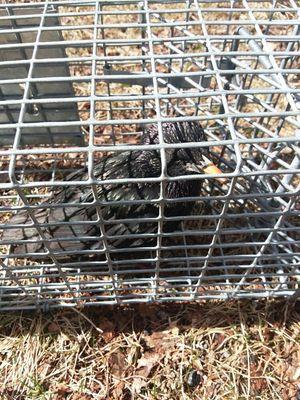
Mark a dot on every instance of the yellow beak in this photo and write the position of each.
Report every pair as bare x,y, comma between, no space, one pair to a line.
208,167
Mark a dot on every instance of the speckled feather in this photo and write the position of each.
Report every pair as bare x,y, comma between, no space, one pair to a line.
131,164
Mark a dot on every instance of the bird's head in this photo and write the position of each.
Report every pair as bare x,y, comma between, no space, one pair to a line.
191,160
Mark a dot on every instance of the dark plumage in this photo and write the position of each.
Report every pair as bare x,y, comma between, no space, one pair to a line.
67,238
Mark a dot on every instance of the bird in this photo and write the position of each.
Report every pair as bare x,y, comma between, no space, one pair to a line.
76,222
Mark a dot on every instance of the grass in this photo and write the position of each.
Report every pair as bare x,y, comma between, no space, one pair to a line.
239,350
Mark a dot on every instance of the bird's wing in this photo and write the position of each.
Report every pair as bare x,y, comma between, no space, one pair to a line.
70,220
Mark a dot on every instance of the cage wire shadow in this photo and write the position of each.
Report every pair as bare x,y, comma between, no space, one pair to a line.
84,80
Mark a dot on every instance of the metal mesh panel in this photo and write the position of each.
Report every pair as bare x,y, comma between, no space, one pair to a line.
110,69
16,32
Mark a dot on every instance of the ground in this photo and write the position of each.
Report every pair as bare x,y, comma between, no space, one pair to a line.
228,350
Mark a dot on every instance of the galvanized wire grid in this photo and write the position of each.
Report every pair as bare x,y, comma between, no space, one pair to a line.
81,79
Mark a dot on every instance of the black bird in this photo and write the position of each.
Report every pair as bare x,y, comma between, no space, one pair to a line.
79,213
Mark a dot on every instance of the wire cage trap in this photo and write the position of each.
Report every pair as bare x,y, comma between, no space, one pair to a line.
81,82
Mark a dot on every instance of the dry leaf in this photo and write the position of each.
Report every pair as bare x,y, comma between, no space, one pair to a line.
60,391
117,391
116,363
108,328
80,396
53,327
43,368
137,384
161,341
145,365
62,388
258,385
296,375
218,340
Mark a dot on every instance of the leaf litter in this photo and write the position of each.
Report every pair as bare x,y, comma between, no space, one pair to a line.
238,350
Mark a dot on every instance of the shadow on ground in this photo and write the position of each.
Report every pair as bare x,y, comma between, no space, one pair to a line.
157,317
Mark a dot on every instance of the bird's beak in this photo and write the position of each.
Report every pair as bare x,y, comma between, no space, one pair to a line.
208,167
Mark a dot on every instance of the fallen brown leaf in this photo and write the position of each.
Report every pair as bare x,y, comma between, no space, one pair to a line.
116,363
162,341
145,365
117,391
81,396
108,328
53,327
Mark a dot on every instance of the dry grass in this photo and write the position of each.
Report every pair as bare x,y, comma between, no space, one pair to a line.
247,350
